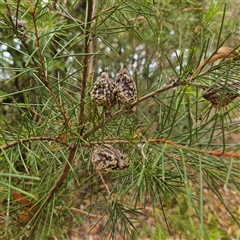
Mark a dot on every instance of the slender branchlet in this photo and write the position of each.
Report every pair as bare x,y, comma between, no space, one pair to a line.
87,41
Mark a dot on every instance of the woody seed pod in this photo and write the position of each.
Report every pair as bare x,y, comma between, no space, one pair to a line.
126,88
105,158
221,94
104,92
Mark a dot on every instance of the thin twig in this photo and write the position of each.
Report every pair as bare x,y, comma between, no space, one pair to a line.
79,211
23,140
94,47
85,63
104,183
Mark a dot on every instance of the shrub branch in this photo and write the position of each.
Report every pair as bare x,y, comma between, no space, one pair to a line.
124,109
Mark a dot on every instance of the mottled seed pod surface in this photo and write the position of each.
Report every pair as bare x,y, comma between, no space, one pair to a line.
126,87
221,94
105,158
104,91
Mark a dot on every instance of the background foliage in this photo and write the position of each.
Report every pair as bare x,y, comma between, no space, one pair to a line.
183,154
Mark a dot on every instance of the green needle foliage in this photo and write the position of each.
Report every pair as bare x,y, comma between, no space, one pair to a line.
181,145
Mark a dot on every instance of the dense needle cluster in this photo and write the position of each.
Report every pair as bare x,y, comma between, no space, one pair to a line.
105,158
221,94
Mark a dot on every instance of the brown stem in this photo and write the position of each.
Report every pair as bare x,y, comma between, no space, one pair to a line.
65,172
79,211
104,183
93,65
85,62
94,47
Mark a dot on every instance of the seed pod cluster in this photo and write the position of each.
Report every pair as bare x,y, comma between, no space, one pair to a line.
107,92
105,158
221,94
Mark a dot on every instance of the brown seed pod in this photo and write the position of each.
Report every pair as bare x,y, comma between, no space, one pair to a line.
105,158
104,91
221,94
125,87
